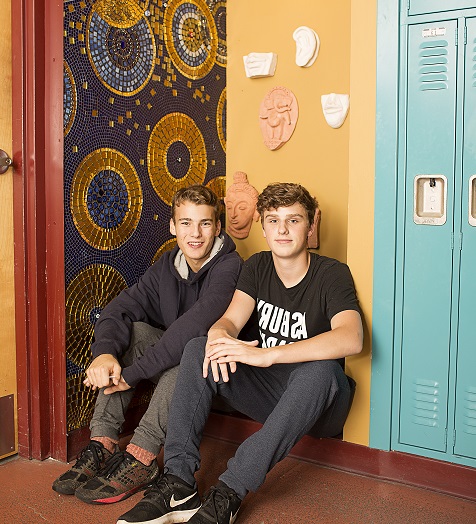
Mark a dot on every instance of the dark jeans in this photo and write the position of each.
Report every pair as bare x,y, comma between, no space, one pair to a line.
288,399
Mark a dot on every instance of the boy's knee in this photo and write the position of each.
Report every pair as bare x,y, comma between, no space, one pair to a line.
324,374
194,350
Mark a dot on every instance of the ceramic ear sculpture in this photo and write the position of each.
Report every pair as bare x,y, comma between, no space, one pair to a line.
258,65
335,108
307,46
278,116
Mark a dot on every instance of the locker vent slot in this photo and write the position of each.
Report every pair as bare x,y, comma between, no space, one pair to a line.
433,65
469,420
426,403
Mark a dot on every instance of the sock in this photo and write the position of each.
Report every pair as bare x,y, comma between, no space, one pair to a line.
141,454
107,442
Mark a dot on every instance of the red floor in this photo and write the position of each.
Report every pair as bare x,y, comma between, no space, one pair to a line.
295,492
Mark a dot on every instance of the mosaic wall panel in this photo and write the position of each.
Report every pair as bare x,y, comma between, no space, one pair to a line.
144,115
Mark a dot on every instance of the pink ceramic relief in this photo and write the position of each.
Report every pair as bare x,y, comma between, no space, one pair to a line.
278,117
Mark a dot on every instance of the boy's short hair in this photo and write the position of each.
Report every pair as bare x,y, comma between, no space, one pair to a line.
198,195
285,194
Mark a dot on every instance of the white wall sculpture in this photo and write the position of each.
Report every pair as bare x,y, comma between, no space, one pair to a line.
335,108
307,46
258,65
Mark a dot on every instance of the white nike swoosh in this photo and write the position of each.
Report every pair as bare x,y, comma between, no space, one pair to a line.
233,517
174,503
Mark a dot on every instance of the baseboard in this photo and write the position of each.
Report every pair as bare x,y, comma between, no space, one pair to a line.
436,475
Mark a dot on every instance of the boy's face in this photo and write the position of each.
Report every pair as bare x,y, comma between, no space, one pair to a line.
195,228
287,230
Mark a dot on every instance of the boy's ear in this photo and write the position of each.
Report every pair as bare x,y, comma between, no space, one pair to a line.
172,227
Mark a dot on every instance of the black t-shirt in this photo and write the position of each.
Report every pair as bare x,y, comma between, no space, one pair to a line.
303,311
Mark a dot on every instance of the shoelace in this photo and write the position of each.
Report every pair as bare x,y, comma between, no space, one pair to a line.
116,462
215,499
96,451
159,489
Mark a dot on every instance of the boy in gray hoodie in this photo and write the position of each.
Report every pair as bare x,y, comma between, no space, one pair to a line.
141,334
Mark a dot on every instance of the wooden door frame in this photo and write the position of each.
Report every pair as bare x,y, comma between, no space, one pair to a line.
37,127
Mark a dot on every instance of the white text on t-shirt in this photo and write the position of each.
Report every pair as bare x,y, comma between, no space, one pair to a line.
275,320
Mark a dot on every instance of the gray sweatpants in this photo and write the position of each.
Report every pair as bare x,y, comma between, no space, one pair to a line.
288,399
109,411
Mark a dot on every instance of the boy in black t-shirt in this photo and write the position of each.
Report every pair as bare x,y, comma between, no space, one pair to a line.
290,381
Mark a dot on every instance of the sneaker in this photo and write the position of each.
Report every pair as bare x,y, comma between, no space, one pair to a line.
167,501
122,476
220,506
89,462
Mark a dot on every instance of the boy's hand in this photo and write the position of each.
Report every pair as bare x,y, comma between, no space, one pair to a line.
240,351
218,356
122,385
103,369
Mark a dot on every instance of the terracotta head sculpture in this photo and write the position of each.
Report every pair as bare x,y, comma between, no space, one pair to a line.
240,202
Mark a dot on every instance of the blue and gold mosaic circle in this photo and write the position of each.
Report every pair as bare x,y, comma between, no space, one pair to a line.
106,199
221,119
122,56
119,13
191,37
176,155
70,100
218,9
86,296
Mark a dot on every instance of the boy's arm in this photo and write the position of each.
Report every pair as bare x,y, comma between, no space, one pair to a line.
225,330
344,339
212,303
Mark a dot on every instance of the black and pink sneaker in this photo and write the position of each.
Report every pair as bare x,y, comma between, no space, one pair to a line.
122,476
90,460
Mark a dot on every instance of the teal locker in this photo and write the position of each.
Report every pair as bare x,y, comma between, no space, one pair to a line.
418,7
428,254
465,410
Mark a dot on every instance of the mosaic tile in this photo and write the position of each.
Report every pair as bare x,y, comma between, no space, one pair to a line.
134,134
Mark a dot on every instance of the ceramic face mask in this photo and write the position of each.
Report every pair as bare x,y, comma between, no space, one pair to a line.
335,108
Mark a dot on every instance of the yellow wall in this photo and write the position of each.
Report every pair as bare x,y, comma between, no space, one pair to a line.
361,200
316,156
336,165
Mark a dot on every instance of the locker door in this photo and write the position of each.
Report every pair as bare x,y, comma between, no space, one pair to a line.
428,254
465,411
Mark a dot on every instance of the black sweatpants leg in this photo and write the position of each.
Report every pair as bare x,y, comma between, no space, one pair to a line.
287,399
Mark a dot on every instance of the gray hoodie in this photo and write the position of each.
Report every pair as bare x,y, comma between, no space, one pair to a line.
167,296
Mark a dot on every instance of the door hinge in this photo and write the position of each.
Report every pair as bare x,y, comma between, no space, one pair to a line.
456,37
461,241
465,35
454,438
446,437
452,241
